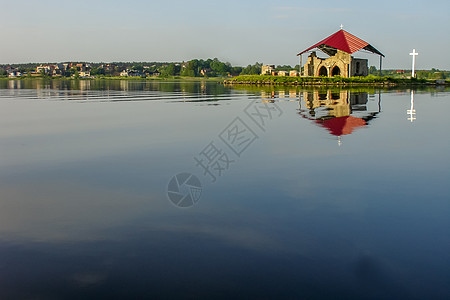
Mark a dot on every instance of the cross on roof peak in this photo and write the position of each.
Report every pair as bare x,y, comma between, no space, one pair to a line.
342,26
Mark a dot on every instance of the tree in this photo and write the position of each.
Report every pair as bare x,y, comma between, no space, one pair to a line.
219,67
138,68
71,72
438,75
252,69
235,70
190,68
97,71
284,68
45,73
170,70
373,70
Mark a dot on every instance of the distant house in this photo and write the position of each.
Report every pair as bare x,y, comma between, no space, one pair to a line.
293,73
282,73
110,67
135,73
131,73
55,70
267,69
84,73
205,72
13,73
59,69
46,69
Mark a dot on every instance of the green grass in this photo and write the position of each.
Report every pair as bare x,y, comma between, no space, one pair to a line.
267,80
337,80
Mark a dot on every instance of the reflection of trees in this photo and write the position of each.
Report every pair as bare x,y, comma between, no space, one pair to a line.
195,91
190,87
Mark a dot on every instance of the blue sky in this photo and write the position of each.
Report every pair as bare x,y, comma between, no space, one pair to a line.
241,32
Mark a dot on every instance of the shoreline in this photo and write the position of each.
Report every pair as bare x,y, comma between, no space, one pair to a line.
264,80
269,80
171,78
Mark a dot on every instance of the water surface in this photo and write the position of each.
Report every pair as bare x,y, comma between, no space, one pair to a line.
302,193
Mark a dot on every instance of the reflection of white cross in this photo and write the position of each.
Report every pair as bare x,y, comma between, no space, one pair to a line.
342,26
414,53
412,112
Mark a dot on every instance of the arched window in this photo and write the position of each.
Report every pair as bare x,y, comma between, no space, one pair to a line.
323,96
323,71
336,71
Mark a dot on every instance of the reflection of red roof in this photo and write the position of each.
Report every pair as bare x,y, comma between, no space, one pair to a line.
342,125
344,41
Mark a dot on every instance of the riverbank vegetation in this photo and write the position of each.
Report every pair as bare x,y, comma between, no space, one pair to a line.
336,80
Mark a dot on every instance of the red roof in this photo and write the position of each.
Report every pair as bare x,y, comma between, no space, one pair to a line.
342,125
344,41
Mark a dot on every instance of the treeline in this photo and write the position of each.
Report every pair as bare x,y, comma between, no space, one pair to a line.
193,68
208,68
420,74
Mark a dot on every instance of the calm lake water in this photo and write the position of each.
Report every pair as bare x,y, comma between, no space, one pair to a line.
191,190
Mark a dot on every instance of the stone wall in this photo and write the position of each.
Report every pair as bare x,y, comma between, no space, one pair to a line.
359,67
342,64
336,102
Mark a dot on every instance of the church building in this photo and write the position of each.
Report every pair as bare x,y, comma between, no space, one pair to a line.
339,46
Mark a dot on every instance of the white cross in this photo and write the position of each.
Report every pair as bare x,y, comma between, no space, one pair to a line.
414,53
342,26
411,112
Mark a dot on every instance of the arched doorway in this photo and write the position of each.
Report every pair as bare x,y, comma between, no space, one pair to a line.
323,71
358,66
335,96
323,96
336,71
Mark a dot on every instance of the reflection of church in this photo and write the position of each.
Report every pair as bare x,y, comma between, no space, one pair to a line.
340,112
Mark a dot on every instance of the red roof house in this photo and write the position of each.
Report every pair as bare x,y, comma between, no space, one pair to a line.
339,46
